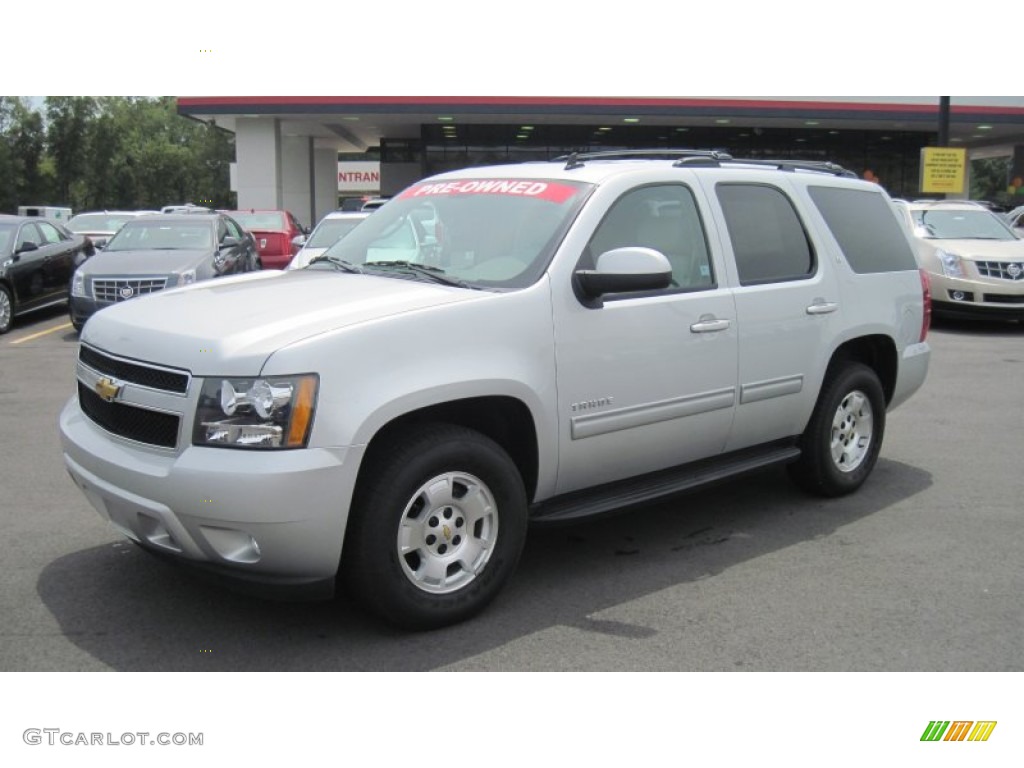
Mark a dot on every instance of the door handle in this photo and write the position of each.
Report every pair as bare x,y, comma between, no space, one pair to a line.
822,307
709,324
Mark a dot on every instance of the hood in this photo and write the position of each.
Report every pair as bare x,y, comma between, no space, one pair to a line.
985,250
148,262
230,326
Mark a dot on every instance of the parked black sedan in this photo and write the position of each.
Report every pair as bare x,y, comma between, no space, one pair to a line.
37,258
150,253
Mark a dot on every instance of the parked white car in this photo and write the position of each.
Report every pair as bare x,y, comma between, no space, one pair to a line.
563,340
327,232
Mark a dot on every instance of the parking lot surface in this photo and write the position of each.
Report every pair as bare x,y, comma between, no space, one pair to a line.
919,570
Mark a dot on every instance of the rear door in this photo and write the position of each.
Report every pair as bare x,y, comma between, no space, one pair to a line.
787,307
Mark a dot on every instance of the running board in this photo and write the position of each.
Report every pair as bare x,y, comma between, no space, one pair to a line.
637,490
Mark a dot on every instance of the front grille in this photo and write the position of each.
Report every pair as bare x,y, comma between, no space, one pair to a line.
111,290
139,424
1003,298
143,375
1001,270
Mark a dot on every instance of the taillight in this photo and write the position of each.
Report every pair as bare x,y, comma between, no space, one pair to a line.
926,295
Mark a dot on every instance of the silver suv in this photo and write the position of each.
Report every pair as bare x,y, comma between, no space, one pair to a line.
499,346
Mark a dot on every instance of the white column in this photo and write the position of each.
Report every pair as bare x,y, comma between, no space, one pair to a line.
325,181
258,154
296,186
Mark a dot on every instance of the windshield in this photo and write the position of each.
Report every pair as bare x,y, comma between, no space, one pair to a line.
6,231
330,230
961,225
496,233
271,220
162,235
97,222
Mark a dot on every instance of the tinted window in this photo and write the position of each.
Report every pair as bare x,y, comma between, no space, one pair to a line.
767,236
663,217
866,229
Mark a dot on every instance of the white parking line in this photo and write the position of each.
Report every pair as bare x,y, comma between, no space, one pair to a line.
63,327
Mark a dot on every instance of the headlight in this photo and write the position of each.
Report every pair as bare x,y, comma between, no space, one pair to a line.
952,265
271,412
78,284
187,277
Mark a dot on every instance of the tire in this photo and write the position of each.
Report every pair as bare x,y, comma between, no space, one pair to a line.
437,526
842,441
6,310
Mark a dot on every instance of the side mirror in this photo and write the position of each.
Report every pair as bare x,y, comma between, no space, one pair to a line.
622,270
297,242
229,242
27,247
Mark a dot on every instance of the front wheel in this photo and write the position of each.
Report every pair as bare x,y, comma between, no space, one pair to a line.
840,446
437,526
6,310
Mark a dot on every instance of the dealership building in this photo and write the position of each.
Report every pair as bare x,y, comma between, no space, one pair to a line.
305,153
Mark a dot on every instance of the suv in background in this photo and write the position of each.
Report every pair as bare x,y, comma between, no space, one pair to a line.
331,228
973,257
555,340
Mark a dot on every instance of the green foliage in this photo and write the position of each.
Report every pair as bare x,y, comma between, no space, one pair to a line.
990,178
113,152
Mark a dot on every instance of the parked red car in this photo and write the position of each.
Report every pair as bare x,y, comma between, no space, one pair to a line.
273,231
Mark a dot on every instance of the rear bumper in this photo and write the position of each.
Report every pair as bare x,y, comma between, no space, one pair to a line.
913,368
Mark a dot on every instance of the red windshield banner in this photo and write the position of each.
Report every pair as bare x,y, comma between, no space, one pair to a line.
541,190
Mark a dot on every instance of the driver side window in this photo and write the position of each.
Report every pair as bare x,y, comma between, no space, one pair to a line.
663,217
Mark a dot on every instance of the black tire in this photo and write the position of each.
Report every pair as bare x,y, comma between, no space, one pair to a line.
842,441
6,310
461,545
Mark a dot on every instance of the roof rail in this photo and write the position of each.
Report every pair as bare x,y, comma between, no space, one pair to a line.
701,158
800,165
575,159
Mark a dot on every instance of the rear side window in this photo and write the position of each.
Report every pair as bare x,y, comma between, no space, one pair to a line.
768,238
866,229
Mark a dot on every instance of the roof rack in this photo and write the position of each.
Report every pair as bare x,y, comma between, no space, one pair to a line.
801,165
575,159
702,158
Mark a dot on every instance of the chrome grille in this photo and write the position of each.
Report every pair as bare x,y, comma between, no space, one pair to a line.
114,289
1002,270
138,373
139,424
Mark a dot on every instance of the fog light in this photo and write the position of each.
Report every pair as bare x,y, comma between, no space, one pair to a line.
958,295
236,546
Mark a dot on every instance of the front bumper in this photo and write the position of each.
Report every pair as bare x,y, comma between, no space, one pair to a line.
974,295
81,308
274,518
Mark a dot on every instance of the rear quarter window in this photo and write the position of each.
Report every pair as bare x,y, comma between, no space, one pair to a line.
866,228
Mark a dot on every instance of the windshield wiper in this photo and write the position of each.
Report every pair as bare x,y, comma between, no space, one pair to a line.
435,274
335,261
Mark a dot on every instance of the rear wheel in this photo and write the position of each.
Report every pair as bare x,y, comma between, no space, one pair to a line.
438,523
840,446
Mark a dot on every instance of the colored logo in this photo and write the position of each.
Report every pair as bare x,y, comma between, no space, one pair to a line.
107,388
959,730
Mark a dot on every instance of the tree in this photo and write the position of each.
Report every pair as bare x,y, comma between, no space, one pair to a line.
67,119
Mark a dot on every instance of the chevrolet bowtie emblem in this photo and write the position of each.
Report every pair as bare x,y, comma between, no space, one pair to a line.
107,388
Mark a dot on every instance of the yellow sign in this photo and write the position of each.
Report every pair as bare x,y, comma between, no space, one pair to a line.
943,169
